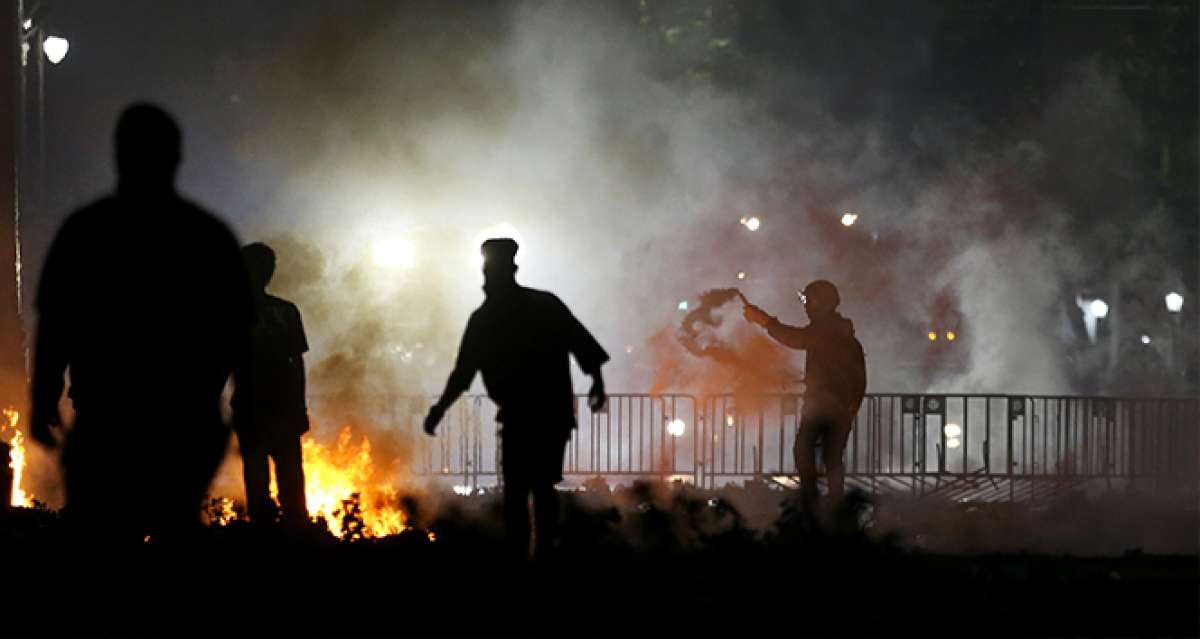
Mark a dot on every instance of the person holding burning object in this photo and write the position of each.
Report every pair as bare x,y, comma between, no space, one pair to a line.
269,409
835,382
520,339
143,299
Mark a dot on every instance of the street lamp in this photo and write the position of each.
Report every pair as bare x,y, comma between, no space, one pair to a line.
1174,302
55,48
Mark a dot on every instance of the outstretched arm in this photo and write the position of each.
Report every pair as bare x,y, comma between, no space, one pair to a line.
791,336
460,379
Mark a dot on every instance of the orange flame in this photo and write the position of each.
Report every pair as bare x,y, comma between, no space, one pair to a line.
16,457
334,474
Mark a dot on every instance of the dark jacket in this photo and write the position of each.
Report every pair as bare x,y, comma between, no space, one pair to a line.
835,368
521,340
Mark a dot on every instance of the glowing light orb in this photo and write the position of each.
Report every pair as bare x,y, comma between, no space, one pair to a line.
1146,340
741,275
849,219
952,430
55,48
393,253
729,420
951,336
953,442
932,336
751,223
1174,302
683,305
675,427
1099,308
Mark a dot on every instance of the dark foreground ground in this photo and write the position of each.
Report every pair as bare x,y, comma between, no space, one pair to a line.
652,563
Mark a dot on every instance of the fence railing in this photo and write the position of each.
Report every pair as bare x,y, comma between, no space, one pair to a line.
965,446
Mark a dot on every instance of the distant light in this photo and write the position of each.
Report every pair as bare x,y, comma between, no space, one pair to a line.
676,427
1146,339
751,223
56,48
463,490
952,430
683,305
1174,302
953,442
1099,308
729,420
849,219
28,24
932,336
951,336
741,275
629,348
393,253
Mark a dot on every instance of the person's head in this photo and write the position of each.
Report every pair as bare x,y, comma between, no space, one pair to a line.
260,265
499,267
820,297
148,146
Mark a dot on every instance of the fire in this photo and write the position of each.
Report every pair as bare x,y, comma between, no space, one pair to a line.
334,475
16,457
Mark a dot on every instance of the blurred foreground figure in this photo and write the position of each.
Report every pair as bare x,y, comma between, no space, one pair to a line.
143,299
521,339
269,409
835,380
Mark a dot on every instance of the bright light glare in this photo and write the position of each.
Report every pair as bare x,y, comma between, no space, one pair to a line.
463,490
676,427
932,336
683,305
393,253
952,430
849,219
1174,302
729,420
741,275
56,48
953,442
28,24
951,336
751,223
1146,339
1099,308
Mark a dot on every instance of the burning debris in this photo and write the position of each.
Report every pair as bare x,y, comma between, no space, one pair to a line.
10,428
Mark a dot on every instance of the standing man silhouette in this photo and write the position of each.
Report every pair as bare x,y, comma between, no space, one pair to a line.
269,409
521,339
835,381
143,300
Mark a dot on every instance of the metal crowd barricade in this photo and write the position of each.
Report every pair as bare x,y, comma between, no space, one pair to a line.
1012,447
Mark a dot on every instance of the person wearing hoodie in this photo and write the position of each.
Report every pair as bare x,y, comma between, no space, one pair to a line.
835,381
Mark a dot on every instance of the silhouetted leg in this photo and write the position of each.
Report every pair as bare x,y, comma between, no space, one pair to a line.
289,475
832,453
516,515
805,453
545,506
257,475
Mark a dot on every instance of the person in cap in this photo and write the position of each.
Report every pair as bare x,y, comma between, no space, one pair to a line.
835,381
521,340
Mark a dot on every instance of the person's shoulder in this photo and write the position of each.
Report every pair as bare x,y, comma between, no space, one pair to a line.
282,303
538,296
91,213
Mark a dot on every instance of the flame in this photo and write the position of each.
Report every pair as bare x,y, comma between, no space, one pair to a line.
333,477
16,458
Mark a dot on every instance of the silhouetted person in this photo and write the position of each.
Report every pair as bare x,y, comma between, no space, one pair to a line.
143,299
269,409
521,339
835,381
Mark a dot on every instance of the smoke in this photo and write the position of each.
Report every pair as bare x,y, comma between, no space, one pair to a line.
626,177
